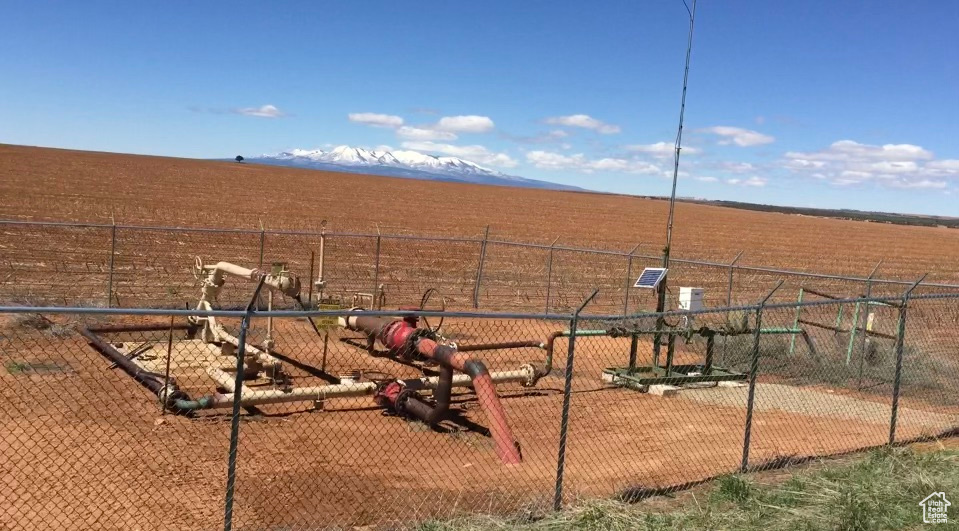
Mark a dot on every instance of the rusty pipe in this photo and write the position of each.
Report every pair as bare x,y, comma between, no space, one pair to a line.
548,366
399,336
413,405
500,346
166,390
506,447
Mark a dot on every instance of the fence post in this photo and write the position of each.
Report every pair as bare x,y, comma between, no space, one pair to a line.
262,243
865,323
567,394
629,278
113,254
479,269
376,267
729,295
753,371
549,273
729,290
900,340
237,395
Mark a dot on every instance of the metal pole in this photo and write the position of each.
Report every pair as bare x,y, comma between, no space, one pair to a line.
567,395
629,278
320,282
792,341
633,347
729,290
753,371
900,340
113,253
235,421
262,243
852,333
169,354
549,273
479,269
376,268
729,296
865,322
661,298
310,295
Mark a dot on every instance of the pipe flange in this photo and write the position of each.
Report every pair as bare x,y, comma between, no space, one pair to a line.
400,405
409,350
531,372
169,394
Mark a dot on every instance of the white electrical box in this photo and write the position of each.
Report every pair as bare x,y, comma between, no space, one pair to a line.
691,299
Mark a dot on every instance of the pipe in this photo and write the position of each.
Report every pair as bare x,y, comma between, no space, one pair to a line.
402,338
410,403
223,379
551,340
506,447
500,346
250,397
258,355
110,329
279,396
220,268
168,393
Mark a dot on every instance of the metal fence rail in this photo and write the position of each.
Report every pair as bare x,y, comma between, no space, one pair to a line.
119,265
183,419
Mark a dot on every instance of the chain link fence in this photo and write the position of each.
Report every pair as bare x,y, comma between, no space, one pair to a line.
246,419
91,265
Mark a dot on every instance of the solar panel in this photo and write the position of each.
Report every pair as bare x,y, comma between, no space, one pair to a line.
650,278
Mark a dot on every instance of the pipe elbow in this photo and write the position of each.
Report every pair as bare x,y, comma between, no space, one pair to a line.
475,368
185,405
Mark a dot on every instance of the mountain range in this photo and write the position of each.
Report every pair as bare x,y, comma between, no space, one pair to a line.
410,164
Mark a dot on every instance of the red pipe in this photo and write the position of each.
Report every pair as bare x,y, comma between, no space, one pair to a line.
399,337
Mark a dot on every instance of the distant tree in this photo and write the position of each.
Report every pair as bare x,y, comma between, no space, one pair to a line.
239,158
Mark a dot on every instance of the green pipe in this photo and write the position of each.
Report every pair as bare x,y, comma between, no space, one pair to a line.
773,331
204,402
548,367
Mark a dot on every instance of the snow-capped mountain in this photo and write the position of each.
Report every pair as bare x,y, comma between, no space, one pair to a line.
411,164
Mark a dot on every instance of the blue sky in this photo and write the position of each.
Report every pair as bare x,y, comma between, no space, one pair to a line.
815,103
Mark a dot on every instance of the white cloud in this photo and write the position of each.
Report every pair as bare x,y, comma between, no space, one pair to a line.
557,161
847,162
419,133
706,179
752,181
662,149
739,136
945,165
557,133
737,167
264,111
465,124
376,120
585,121
473,153
844,150
924,183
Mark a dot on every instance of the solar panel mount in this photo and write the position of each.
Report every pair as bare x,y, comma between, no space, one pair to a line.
650,278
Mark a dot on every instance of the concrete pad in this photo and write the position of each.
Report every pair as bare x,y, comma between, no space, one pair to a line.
663,390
